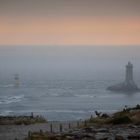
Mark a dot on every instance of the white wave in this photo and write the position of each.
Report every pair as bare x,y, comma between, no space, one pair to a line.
85,96
11,99
6,112
8,85
60,95
67,111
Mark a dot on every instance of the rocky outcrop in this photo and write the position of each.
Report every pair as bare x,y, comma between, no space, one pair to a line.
120,132
125,86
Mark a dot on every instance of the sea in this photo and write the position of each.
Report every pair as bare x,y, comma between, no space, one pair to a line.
65,83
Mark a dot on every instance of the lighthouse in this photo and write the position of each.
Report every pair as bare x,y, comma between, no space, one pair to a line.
128,85
129,73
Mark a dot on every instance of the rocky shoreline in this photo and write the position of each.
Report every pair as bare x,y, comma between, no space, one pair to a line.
122,125
119,132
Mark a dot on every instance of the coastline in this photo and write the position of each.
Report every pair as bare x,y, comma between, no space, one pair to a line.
122,125
39,132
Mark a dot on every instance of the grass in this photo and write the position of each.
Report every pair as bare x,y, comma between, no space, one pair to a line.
28,121
121,120
19,120
130,115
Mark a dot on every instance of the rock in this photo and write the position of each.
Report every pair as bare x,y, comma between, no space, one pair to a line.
102,136
119,137
69,137
103,130
106,138
132,126
88,138
90,130
134,137
89,135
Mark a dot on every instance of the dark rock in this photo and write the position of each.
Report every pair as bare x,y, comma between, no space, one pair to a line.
134,137
104,115
90,130
119,137
132,126
69,138
102,136
103,130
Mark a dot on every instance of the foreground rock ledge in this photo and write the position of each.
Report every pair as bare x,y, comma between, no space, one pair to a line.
119,132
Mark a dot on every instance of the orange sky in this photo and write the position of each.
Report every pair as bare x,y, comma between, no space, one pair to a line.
74,22
82,31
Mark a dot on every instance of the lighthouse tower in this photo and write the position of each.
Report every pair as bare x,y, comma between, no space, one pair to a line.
128,85
129,73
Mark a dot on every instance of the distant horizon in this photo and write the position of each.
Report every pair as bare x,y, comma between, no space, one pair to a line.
71,45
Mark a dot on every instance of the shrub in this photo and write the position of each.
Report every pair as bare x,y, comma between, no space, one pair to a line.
104,115
137,106
121,120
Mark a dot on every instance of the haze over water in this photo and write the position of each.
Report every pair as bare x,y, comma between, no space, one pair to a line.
65,82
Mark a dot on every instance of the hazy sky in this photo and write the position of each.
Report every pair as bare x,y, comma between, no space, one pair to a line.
70,22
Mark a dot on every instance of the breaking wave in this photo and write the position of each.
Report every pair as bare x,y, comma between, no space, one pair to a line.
11,99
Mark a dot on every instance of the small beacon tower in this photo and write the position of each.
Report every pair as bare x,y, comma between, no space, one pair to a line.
17,83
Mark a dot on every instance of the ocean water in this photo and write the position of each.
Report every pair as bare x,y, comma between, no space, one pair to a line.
65,84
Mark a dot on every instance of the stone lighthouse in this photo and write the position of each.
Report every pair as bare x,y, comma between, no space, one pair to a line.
129,73
128,85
